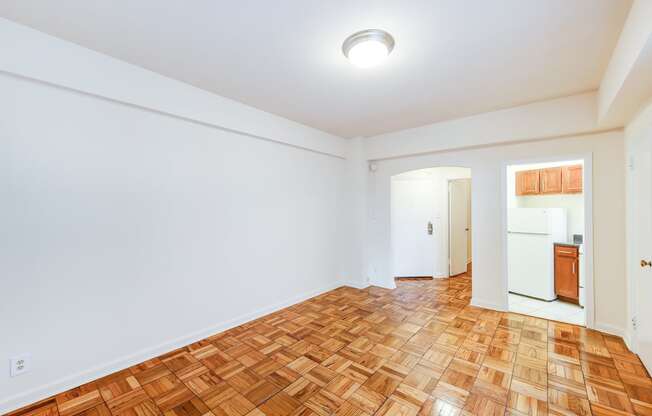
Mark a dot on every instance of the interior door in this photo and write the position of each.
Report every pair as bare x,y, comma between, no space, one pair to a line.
458,225
641,228
413,204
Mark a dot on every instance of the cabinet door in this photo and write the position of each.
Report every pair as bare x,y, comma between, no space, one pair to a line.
551,180
572,179
567,273
527,182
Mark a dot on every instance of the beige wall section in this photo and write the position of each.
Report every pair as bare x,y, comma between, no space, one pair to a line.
487,164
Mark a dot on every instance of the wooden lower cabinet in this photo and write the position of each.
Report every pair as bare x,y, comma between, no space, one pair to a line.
567,273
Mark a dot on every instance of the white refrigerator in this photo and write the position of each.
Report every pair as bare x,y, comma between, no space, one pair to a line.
531,234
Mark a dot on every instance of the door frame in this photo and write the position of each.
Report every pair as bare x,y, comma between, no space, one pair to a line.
587,173
448,206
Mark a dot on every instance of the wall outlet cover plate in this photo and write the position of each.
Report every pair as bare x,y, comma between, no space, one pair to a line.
20,364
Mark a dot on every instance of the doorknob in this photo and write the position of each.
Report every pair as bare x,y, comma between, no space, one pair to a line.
645,263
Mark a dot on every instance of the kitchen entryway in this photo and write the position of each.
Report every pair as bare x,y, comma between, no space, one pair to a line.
555,310
545,240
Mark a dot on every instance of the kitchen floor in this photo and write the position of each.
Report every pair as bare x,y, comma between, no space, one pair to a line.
555,310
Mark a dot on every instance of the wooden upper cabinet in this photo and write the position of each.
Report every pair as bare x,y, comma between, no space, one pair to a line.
572,179
551,180
557,180
527,182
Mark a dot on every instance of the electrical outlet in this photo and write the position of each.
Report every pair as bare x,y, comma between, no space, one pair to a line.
20,364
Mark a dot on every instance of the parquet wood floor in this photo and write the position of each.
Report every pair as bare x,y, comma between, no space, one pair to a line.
418,350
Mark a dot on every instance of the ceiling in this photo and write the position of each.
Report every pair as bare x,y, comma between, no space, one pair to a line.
453,58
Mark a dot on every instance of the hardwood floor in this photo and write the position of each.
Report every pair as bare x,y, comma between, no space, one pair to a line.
417,350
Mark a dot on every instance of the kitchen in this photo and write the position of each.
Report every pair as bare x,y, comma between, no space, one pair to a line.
545,240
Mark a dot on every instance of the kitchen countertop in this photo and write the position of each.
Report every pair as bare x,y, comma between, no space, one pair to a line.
559,243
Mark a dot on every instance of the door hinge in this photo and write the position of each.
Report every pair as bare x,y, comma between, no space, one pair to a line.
634,323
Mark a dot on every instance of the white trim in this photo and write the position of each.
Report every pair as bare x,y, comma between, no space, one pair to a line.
630,339
567,116
589,307
479,303
611,330
84,71
17,401
356,285
587,179
379,283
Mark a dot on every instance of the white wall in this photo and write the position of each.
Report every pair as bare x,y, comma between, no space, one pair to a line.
488,188
353,213
127,232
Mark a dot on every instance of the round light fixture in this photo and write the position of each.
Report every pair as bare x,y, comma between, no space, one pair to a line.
368,48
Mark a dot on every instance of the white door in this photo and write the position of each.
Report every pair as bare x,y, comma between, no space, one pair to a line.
412,244
458,228
641,229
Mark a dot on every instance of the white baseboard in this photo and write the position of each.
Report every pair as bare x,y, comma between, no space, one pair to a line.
355,284
487,305
8,404
625,333
611,329
385,285
629,341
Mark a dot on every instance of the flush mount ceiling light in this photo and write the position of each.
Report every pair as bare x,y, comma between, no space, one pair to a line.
368,48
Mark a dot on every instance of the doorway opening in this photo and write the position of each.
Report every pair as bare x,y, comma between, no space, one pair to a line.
546,229
431,223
